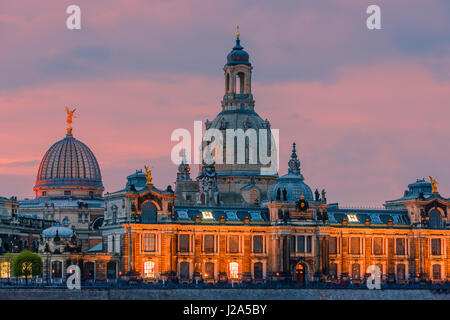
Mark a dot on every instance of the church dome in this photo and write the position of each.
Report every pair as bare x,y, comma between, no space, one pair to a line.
69,163
57,230
291,184
238,55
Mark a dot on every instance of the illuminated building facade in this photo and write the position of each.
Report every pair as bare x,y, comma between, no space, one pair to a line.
234,224
69,189
231,223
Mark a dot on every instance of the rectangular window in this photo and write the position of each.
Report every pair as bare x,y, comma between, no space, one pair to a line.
234,270
436,247
209,270
149,242
67,193
208,245
233,244
377,246
110,244
400,246
184,242
5,268
355,246
308,244
333,270
401,271
301,244
117,243
436,272
355,271
184,270
149,270
292,243
332,245
257,244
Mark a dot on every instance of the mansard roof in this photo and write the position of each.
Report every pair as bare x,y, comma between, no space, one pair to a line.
213,215
377,217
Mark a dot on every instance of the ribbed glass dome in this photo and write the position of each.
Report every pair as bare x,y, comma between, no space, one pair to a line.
69,163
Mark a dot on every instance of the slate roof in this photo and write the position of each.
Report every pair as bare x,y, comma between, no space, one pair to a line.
377,217
232,215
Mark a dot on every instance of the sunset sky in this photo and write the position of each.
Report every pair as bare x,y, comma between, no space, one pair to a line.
369,109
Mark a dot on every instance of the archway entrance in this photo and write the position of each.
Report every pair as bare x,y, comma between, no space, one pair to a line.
300,274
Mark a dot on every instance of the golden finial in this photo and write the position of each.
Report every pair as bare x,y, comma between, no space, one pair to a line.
148,175
434,184
237,31
70,116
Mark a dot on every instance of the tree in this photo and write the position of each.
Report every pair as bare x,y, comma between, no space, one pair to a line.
27,264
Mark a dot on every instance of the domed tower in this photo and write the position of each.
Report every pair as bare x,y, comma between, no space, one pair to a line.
69,188
69,169
291,199
248,146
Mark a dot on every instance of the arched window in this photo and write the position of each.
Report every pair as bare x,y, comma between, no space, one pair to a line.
234,270
149,270
253,196
241,76
435,219
149,213
202,198
227,83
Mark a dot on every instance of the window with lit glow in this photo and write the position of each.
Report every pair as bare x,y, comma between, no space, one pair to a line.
356,271
209,270
352,218
5,270
207,215
234,270
56,269
149,270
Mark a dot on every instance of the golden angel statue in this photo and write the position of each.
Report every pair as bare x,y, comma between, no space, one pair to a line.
434,184
70,116
148,175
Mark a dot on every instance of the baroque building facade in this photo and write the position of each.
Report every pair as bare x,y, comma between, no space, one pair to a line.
234,222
